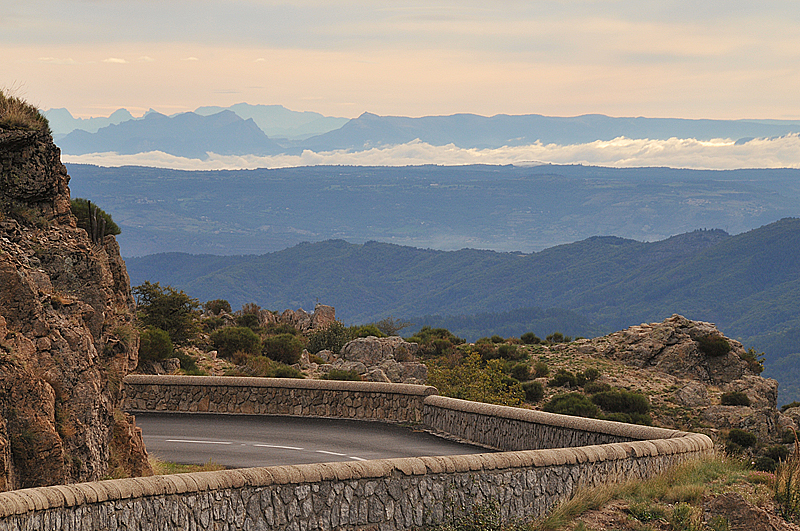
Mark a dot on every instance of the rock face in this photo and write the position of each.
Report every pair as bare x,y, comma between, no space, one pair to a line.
385,359
303,321
66,331
678,349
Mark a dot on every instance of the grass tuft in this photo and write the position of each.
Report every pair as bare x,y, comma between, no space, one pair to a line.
17,114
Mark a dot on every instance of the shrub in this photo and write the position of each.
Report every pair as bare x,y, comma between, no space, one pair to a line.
596,387
333,337
250,320
540,370
487,351
340,374
777,452
529,338
274,329
629,418
621,401
591,374
189,365
497,339
212,323
735,398
390,326
154,344
714,345
534,391
285,371
789,406
285,348
575,404
216,306
754,359
558,337
168,309
365,331
765,464
563,378
471,379
741,438
509,352
83,209
232,339
521,372
787,486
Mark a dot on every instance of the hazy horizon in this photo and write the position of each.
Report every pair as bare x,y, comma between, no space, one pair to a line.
717,60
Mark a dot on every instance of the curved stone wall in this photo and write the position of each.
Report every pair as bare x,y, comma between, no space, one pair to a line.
381,494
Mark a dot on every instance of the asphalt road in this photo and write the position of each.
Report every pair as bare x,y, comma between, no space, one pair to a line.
249,441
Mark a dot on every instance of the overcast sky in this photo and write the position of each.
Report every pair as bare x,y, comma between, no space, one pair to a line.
668,58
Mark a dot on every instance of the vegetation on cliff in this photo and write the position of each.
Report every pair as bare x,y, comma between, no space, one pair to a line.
18,115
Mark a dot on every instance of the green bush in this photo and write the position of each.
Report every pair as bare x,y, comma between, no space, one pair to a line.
741,438
250,320
217,306
497,339
534,391
339,374
285,371
333,337
789,406
285,348
529,338
476,380
154,344
777,452
754,359
558,337
510,352
629,418
540,370
168,309
212,323
521,372
621,401
82,209
714,346
735,398
591,374
434,341
563,378
232,339
189,366
765,464
365,331
575,404
596,387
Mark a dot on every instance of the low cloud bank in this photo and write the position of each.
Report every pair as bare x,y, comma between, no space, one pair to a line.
723,154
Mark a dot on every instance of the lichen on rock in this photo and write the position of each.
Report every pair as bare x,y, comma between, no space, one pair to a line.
66,331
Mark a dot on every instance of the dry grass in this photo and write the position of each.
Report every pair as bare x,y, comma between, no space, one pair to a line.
17,114
162,468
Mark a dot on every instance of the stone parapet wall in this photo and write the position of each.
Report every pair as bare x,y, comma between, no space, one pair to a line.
388,494
277,396
511,428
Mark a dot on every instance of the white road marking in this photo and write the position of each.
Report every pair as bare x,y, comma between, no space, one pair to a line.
331,453
357,458
277,446
197,442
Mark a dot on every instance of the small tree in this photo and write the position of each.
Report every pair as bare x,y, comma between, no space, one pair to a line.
391,326
216,306
333,337
232,339
154,344
93,219
168,309
285,348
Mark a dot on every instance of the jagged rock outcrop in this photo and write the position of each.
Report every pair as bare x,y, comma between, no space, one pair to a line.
696,364
385,359
66,331
300,319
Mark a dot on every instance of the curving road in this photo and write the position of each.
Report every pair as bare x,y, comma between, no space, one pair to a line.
236,441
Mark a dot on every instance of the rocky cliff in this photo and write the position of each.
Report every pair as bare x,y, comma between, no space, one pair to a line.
66,331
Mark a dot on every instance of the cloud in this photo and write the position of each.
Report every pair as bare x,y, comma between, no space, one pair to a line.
146,59
115,60
58,61
783,152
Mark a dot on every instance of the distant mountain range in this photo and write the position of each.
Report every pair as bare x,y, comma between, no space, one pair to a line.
505,208
292,132
747,284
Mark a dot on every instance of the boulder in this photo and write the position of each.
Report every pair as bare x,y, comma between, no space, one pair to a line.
741,515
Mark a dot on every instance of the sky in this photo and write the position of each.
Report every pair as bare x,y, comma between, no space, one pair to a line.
727,59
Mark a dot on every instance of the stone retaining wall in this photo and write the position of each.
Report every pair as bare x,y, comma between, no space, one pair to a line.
277,396
385,494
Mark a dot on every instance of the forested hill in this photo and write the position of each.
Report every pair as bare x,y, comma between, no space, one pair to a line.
747,284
